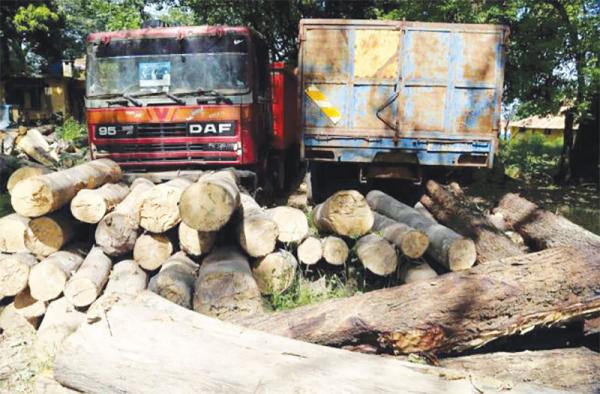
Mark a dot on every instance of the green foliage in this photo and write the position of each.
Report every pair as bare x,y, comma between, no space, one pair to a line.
304,292
5,207
35,18
71,130
529,158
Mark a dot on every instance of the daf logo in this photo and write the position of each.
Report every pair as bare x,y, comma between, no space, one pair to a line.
212,128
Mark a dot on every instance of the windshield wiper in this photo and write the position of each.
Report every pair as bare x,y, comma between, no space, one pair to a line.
166,94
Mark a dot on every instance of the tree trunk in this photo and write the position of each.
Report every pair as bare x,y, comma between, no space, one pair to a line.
291,222
453,210
12,233
542,229
225,287
14,273
86,285
152,250
159,211
446,247
419,207
30,308
412,243
40,195
23,173
208,204
126,277
585,160
175,280
47,279
194,242
564,164
257,233
275,272
120,342
345,213
90,206
117,232
410,273
457,311
310,251
335,250
35,146
377,255
48,234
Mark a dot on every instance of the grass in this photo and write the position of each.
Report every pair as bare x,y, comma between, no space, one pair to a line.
71,130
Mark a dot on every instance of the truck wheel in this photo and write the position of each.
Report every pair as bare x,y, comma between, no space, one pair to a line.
327,178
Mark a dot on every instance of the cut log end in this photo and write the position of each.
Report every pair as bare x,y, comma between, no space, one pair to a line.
345,213
377,254
24,173
81,291
48,234
152,250
194,242
31,197
461,254
14,273
335,250
275,272
414,244
310,251
116,233
291,222
88,209
46,281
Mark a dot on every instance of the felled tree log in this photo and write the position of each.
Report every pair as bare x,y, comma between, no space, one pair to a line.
40,195
175,280
410,273
446,247
377,255
34,145
412,243
225,287
540,228
30,308
275,272
345,213
335,250
310,251
257,233
90,205
48,234
119,341
194,242
208,204
457,311
159,211
117,232
452,210
14,273
47,279
126,277
12,233
23,173
152,250
291,222
86,285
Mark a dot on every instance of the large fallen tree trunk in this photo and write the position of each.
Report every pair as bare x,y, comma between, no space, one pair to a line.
119,340
456,311
542,229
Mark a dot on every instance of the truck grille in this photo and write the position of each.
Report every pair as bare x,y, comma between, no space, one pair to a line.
153,130
154,148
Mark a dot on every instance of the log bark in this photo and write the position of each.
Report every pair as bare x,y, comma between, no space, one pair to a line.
14,273
345,213
176,279
540,228
117,232
91,205
152,250
335,250
257,233
419,207
194,242
410,273
291,222
446,247
25,173
454,211
86,285
377,255
34,145
310,251
12,233
48,234
30,308
120,342
209,204
457,311
225,287
275,272
47,279
40,195
126,277
412,243
159,211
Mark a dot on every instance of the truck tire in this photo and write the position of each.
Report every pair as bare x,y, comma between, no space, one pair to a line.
327,178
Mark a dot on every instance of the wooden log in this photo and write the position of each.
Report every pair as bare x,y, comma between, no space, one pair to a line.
176,279
194,242
540,228
8,140
345,213
209,204
117,232
225,287
310,251
30,308
14,273
410,273
275,272
419,207
47,279
446,247
152,250
23,173
13,325
291,222
86,285
457,311
335,250
454,211
40,195
159,211
412,243
377,255
34,145
257,233
91,205
123,340
126,277
48,234
12,233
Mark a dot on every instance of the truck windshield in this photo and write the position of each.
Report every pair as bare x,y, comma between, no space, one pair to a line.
167,64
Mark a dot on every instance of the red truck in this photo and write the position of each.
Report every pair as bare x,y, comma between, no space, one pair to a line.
190,97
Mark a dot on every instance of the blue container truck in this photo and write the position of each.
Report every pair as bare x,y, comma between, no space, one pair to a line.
388,99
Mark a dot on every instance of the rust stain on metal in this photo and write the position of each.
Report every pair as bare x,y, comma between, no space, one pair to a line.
376,54
430,54
479,53
327,52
